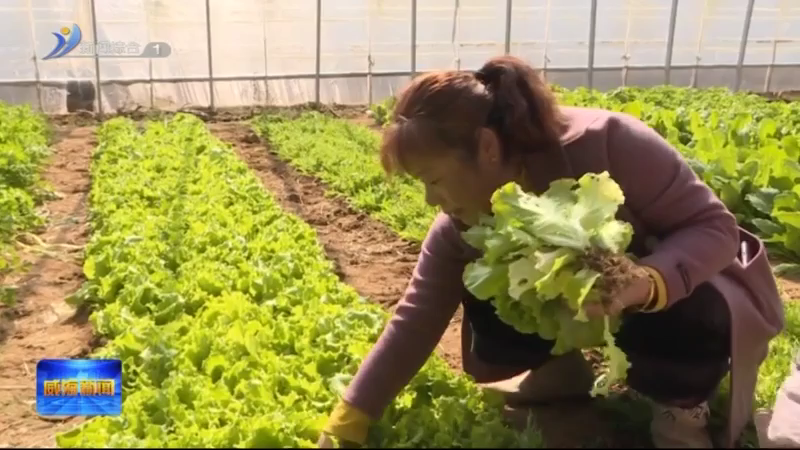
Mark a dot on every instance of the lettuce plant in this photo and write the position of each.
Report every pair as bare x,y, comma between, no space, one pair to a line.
545,256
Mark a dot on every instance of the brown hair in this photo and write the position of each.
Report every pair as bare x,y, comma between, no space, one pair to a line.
444,111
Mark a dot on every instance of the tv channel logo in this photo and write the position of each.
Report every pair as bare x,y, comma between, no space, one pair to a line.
79,387
68,39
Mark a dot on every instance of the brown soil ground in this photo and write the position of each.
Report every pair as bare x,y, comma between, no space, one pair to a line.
378,264
786,96
41,325
790,287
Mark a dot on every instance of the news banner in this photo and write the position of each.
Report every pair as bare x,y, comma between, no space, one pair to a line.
79,387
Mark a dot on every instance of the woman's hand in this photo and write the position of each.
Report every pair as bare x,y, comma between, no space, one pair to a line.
346,428
328,441
635,295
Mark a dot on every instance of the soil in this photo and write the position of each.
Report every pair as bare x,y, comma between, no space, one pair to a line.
790,287
783,96
616,272
41,325
378,264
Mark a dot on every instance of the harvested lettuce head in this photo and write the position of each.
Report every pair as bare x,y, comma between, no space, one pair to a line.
545,256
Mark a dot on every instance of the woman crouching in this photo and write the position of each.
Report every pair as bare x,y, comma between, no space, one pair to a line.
709,305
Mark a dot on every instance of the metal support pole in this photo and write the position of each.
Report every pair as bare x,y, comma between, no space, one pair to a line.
36,72
673,15
318,57
148,19
778,37
743,46
369,53
626,57
266,72
152,88
210,56
545,59
508,26
413,38
592,36
454,36
97,64
768,76
700,35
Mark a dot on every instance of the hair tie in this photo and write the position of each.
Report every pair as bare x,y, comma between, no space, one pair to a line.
481,77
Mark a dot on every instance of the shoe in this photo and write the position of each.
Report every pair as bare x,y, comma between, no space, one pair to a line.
674,427
761,420
565,377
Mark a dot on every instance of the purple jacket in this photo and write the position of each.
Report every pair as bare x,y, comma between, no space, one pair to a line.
665,203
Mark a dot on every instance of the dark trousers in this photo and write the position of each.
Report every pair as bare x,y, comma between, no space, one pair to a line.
678,356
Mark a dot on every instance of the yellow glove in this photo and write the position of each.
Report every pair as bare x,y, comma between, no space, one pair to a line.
346,423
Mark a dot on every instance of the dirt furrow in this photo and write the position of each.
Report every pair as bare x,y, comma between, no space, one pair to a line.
41,325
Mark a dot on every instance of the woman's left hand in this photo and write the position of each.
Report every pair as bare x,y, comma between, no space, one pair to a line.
635,295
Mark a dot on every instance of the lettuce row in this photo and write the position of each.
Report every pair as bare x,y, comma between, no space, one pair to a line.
24,136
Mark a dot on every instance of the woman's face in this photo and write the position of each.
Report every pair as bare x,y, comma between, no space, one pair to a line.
459,186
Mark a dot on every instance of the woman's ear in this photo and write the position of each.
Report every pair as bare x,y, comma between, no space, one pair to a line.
490,151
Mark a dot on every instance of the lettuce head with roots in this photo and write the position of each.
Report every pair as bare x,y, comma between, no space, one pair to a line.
545,256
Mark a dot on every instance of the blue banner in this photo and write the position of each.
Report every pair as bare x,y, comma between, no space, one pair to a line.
79,387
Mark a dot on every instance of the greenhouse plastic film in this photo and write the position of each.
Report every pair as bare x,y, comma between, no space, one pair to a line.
265,51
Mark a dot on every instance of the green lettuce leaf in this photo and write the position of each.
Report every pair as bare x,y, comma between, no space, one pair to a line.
533,268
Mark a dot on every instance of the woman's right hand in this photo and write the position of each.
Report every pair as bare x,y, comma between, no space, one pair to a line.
326,441
329,441
346,428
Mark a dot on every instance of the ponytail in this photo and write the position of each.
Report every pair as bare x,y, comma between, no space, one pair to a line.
524,112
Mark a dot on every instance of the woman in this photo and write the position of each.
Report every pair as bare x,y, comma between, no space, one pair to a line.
464,135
